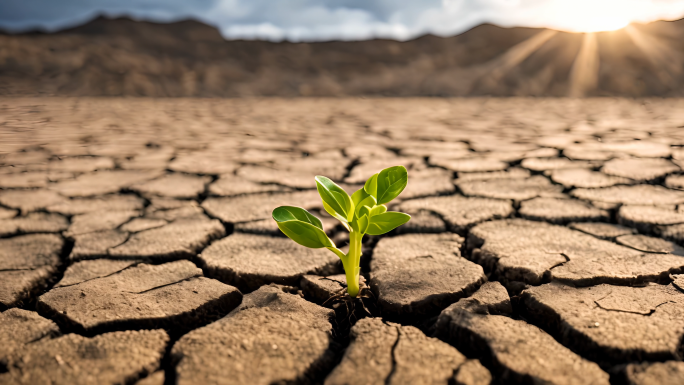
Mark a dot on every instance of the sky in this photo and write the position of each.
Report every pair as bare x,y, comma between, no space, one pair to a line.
319,20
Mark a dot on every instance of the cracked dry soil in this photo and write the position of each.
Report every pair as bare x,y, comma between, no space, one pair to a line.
545,246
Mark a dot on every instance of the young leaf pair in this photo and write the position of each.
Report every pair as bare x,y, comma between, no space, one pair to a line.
364,212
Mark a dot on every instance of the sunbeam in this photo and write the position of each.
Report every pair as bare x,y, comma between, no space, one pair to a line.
584,73
666,61
496,69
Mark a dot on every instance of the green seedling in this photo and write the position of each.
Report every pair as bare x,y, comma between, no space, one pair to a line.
362,213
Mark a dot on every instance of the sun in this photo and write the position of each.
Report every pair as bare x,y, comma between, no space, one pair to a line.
594,15
587,17
600,24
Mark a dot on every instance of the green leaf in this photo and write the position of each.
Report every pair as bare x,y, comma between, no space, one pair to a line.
363,223
368,201
364,210
290,213
334,214
371,186
360,224
377,210
385,222
305,234
358,196
302,227
391,182
335,199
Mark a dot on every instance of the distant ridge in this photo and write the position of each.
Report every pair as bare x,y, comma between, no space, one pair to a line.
123,57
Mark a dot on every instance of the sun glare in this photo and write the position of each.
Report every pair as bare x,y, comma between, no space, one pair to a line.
599,24
595,15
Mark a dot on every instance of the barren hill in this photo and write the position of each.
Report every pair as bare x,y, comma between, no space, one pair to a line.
122,57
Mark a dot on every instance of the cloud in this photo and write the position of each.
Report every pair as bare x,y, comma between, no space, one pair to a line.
52,15
307,20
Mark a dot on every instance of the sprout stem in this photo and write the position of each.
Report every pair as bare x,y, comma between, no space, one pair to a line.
351,262
352,268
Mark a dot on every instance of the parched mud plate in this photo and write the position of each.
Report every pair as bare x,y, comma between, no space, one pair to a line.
546,243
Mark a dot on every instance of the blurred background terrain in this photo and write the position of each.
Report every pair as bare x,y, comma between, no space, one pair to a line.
123,57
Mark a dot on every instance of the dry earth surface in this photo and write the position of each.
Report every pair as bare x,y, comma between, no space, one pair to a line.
136,245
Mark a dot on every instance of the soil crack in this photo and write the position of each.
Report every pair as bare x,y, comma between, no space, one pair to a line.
104,276
165,285
388,380
630,311
567,259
